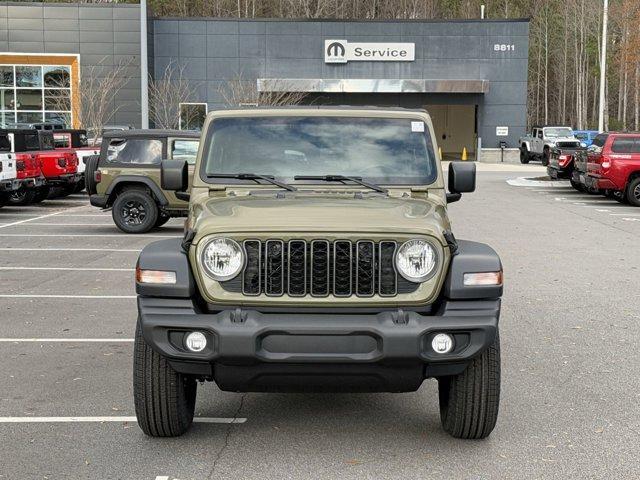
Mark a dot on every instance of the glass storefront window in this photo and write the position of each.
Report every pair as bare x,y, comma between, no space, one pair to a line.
28,76
39,93
29,99
29,117
6,76
57,77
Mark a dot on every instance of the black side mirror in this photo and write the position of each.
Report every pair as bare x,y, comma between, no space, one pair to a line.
174,176
462,179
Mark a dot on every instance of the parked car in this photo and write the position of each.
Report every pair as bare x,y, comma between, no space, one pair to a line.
538,145
614,167
579,174
323,269
126,176
76,140
24,145
561,159
586,136
9,182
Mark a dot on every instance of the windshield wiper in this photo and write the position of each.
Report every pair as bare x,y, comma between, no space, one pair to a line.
254,176
342,178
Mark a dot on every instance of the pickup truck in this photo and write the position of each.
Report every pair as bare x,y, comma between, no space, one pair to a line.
562,159
538,145
41,165
75,140
8,172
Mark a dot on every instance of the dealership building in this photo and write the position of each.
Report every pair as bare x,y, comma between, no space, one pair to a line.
471,75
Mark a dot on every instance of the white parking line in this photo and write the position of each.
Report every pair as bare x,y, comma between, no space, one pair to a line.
625,214
30,219
9,213
124,235
8,249
107,419
107,297
66,340
71,269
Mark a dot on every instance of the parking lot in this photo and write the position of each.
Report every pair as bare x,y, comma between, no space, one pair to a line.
569,404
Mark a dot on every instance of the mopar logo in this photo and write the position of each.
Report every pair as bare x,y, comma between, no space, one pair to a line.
336,49
342,51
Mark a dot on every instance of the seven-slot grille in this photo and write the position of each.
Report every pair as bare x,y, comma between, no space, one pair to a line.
320,268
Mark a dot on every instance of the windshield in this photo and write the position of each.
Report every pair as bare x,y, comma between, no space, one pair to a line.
380,150
558,132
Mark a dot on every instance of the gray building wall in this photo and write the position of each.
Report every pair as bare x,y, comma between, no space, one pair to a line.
103,34
214,50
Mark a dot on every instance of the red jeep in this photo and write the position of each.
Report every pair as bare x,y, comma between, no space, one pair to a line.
614,167
76,140
41,165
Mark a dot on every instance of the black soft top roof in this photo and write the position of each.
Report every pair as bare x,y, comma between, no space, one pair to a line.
150,133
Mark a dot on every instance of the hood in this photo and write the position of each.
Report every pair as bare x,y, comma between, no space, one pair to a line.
321,212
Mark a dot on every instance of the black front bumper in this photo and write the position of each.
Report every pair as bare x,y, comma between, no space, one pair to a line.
248,350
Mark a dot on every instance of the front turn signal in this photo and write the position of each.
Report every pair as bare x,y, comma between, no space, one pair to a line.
155,276
483,278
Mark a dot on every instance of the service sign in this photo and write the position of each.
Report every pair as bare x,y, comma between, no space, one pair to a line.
342,51
502,131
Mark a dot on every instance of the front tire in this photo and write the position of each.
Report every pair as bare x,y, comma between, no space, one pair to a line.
135,211
524,155
164,399
546,154
22,196
469,401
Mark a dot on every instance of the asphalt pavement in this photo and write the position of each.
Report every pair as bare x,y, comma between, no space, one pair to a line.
569,335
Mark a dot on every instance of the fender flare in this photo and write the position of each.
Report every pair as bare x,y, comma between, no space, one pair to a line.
166,255
155,189
472,257
526,145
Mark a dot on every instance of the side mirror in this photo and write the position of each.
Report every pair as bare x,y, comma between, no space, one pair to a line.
174,176
462,179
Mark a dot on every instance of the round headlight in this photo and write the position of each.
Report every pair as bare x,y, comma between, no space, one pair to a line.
222,258
416,260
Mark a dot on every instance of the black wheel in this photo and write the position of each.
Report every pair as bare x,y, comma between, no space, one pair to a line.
545,157
162,219
164,399
42,193
22,196
469,401
135,211
633,192
576,185
524,155
91,165
4,199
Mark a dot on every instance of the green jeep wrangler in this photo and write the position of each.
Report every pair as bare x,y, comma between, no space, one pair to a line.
126,176
318,256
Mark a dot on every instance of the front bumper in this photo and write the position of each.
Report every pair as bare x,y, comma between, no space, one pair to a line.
248,350
10,185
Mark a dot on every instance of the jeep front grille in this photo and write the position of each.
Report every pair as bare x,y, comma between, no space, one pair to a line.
320,268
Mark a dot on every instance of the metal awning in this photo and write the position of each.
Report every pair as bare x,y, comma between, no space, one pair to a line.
367,85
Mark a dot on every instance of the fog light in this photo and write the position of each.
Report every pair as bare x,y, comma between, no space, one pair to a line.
196,341
442,343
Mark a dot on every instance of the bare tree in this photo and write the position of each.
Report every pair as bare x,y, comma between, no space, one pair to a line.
166,93
97,90
238,92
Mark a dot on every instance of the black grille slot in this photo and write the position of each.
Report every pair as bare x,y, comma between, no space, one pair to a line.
297,274
342,268
387,279
274,267
320,268
365,268
251,278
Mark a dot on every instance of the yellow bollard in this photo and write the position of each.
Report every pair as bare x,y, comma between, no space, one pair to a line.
464,153
440,153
